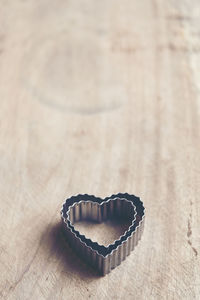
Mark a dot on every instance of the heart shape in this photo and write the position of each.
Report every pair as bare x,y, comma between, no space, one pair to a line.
107,209
90,207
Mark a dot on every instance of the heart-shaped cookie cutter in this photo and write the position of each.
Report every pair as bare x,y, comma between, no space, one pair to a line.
82,207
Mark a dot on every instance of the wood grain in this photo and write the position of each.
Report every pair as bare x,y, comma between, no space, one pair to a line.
99,97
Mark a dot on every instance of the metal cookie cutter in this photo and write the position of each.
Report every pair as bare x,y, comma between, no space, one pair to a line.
88,207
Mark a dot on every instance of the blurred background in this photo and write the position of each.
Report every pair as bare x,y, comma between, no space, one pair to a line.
99,97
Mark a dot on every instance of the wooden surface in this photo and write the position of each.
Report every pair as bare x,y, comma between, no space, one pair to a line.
99,97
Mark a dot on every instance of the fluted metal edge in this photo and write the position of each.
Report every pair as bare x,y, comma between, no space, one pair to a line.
100,220
104,264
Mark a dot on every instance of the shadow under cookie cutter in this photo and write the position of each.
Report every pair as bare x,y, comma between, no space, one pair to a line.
88,207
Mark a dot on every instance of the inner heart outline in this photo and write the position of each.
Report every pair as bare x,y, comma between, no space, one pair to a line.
117,207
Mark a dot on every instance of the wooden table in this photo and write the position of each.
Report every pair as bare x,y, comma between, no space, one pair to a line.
99,97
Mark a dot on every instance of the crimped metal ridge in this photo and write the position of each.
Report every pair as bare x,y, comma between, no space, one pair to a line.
122,248
139,208
100,219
